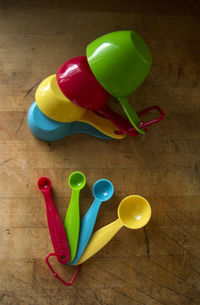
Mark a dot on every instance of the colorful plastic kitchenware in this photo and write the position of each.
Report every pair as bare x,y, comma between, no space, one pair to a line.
48,130
134,212
102,190
120,61
53,103
79,85
77,182
56,229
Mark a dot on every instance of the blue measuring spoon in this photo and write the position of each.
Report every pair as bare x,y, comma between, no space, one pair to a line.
48,130
102,190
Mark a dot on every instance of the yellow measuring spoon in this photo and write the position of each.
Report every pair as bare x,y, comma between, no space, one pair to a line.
134,212
56,106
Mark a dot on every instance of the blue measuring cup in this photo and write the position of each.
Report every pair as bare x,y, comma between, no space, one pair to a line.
102,190
48,130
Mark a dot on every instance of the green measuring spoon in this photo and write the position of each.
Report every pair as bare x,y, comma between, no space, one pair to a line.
77,182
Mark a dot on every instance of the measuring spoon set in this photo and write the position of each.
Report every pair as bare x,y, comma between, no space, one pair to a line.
73,241
75,99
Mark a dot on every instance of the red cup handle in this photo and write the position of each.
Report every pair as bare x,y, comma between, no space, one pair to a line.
120,122
124,125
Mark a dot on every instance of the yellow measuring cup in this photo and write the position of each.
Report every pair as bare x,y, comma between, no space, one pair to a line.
56,106
134,212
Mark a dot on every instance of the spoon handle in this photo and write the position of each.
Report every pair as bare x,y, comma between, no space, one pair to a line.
102,124
56,229
86,228
99,239
131,114
72,223
122,123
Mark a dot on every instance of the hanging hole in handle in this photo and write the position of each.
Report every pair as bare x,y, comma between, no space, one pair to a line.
55,274
62,259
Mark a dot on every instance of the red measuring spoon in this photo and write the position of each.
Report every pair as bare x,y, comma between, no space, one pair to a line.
56,228
79,85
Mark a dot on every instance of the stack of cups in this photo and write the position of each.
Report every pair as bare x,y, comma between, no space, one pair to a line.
115,64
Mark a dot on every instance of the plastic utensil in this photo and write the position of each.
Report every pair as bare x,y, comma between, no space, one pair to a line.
134,212
54,104
102,190
56,229
120,61
77,182
79,85
48,130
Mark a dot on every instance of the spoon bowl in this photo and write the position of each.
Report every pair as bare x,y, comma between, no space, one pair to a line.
77,180
103,189
44,184
134,211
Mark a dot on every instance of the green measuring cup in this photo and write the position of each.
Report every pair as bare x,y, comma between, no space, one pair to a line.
77,182
120,61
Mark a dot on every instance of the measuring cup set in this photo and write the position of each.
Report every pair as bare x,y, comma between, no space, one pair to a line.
73,241
75,99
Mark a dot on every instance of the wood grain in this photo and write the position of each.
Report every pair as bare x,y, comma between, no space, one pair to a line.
156,265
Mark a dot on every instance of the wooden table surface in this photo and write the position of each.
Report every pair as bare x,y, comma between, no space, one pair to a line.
156,265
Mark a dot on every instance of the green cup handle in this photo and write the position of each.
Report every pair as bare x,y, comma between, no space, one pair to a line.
131,114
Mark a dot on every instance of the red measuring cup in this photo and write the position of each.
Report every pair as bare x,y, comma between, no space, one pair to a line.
56,228
79,85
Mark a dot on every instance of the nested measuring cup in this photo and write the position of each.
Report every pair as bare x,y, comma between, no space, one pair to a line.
120,62
78,84
56,106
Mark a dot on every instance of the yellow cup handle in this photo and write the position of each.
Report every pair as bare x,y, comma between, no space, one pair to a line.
103,125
